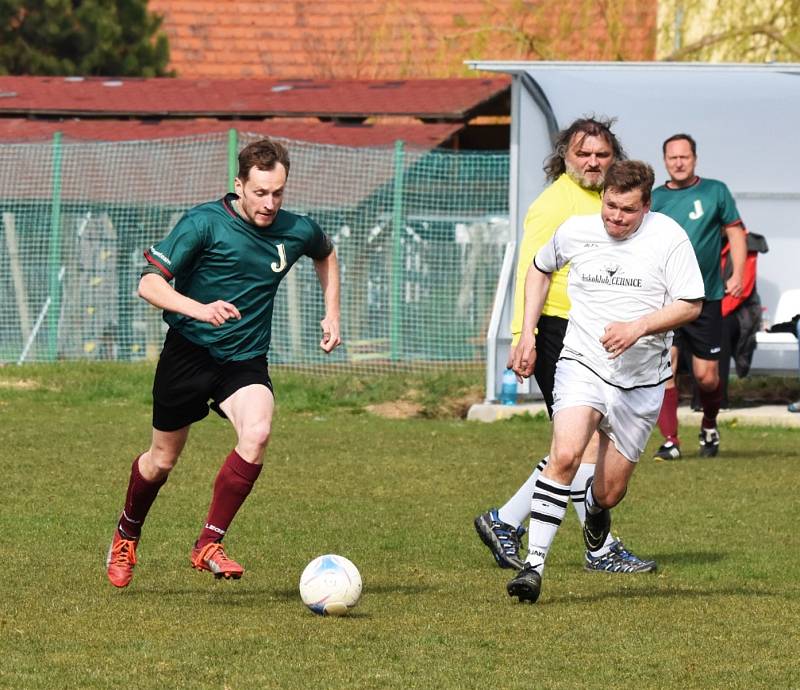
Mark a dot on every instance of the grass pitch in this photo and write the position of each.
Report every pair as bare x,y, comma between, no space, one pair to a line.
397,497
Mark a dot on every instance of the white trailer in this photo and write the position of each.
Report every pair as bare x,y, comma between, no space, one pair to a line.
745,119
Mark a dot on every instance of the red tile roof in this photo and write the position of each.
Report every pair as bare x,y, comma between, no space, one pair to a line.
379,134
367,39
430,99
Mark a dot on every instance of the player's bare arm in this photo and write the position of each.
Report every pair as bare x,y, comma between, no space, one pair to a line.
154,289
328,274
621,335
737,237
536,286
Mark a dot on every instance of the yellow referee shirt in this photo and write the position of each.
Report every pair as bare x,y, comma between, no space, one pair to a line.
562,199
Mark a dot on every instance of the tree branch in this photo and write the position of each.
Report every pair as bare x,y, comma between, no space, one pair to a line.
766,29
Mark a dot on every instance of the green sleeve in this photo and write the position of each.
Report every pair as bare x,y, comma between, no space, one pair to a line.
319,244
178,251
729,214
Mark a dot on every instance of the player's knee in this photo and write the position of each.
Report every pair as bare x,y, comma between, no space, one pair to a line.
564,460
157,463
608,493
708,381
256,435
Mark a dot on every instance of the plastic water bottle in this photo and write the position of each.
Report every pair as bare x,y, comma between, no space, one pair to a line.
508,388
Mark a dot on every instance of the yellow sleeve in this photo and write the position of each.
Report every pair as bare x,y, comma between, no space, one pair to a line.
546,213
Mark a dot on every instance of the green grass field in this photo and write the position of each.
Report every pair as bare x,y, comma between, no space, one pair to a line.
397,497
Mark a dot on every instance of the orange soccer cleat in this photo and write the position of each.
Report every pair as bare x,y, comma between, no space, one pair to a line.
212,557
120,560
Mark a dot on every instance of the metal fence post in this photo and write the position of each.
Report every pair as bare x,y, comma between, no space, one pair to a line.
398,225
233,157
55,251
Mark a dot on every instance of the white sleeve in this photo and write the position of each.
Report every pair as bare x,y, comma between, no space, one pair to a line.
682,272
550,257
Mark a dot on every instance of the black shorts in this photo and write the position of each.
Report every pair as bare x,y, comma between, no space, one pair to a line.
703,336
187,377
549,341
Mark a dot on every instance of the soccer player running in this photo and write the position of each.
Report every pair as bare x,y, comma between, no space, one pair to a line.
633,278
227,258
577,167
706,210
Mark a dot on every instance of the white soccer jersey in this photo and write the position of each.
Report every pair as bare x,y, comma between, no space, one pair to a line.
622,280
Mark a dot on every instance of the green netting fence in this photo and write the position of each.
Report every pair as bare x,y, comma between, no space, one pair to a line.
420,236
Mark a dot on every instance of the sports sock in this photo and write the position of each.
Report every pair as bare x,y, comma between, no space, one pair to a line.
518,506
668,416
231,487
711,402
548,507
140,496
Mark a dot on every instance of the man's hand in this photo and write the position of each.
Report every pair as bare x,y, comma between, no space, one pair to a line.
733,286
217,313
330,334
524,356
620,335
737,239
510,360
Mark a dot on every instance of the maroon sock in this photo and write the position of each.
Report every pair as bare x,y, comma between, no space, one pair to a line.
140,496
668,417
711,402
231,487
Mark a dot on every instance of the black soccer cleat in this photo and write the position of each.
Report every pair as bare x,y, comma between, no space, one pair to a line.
619,560
596,526
502,539
525,585
668,451
709,443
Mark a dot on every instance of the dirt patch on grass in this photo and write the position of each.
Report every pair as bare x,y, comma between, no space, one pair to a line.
399,409
20,384
456,406
415,404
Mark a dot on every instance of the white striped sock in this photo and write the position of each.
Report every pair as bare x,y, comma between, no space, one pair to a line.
548,507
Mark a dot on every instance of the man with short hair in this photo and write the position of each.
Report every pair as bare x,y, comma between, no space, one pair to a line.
581,156
706,210
226,258
633,278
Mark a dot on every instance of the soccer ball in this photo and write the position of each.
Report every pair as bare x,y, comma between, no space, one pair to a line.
330,585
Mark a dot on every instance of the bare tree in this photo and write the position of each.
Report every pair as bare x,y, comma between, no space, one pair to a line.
730,31
555,30
400,39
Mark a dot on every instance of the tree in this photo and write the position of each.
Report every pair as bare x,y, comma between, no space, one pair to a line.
561,30
81,38
402,38
731,31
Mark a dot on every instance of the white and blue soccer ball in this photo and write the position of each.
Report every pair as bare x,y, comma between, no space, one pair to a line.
330,585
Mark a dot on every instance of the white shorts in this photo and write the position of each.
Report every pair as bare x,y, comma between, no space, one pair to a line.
628,415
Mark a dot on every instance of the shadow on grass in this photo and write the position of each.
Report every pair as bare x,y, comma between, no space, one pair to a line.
692,457
393,589
232,594
656,592
687,558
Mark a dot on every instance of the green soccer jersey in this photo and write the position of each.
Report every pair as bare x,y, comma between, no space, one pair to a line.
214,254
703,210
